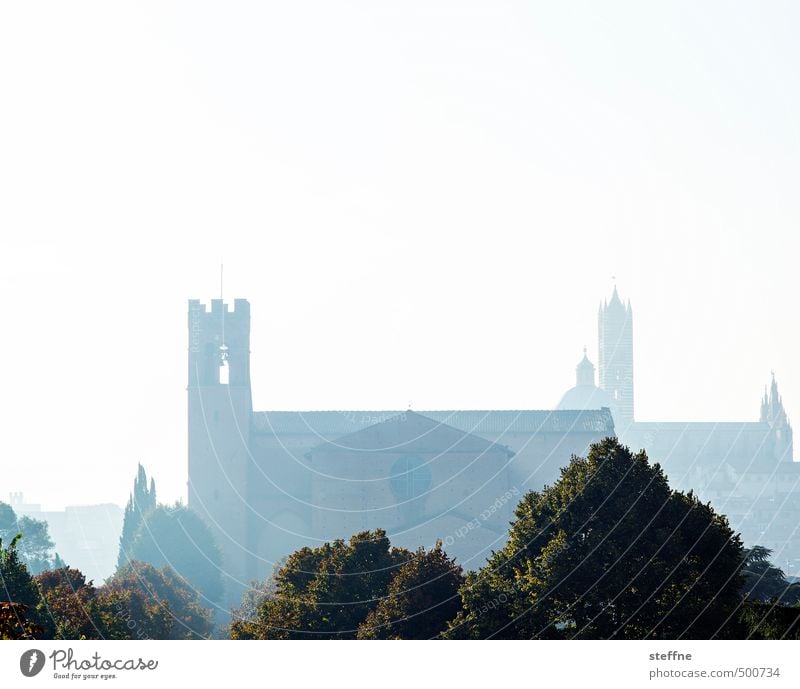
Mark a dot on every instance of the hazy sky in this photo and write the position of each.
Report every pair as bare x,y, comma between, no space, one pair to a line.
424,202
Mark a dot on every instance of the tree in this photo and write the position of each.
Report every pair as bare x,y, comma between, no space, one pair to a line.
127,613
36,548
326,592
140,502
8,521
421,599
256,594
178,537
608,551
764,582
14,623
770,621
153,603
72,604
22,616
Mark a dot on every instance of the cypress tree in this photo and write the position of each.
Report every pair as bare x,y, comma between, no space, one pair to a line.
141,501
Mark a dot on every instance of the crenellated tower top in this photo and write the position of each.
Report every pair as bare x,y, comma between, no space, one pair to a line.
219,343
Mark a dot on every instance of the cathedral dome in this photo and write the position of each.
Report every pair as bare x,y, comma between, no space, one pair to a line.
585,394
585,397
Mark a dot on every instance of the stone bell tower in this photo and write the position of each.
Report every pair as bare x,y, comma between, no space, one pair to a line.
220,411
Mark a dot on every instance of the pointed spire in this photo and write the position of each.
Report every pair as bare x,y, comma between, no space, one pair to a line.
615,302
772,410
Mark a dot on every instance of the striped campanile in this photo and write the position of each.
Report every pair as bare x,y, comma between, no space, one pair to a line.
615,347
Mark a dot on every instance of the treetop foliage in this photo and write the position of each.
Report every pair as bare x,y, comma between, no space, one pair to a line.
609,551
36,548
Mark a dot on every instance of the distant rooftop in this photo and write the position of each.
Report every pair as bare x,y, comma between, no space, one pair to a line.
330,424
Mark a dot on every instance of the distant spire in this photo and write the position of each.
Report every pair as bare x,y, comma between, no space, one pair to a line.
615,303
584,371
772,410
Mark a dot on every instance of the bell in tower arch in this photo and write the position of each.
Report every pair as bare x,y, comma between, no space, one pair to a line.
224,368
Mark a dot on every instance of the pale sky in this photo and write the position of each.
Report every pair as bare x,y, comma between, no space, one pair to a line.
424,202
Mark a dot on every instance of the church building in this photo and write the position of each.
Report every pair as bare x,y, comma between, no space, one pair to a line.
270,482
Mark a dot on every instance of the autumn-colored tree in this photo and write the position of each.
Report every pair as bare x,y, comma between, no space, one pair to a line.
71,603
14,623
125,613
154,603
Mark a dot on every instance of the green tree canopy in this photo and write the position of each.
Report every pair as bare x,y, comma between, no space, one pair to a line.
764,582
176,536
608,551
36,547
22,612
770,621
256,594
326,592
8,521
421,599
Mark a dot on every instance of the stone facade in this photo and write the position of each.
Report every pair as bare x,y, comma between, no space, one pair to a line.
270,482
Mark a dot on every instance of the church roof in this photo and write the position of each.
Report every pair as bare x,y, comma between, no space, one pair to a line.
332,424
410,432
